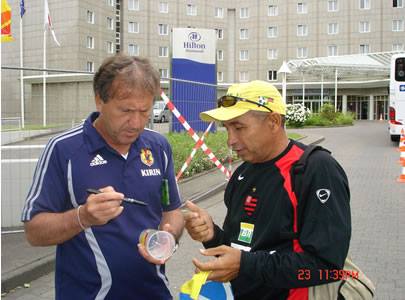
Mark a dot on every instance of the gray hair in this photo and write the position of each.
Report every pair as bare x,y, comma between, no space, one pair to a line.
120,75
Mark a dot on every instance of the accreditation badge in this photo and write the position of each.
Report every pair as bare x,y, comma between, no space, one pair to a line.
246,232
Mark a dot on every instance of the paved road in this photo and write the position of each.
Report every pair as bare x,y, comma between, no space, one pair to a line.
378,210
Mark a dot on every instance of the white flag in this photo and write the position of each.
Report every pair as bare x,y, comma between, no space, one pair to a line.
48,22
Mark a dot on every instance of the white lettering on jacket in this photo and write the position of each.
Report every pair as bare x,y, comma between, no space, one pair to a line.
150,172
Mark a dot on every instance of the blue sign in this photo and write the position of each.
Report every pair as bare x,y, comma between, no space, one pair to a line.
193,62
402,88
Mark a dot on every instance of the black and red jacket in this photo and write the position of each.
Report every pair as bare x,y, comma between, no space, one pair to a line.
277,265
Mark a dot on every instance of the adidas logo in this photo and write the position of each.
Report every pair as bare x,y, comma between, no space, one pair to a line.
98,160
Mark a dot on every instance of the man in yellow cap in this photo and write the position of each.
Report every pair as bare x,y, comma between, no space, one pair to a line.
269,247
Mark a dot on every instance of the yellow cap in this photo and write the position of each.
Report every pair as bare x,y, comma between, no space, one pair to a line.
257,91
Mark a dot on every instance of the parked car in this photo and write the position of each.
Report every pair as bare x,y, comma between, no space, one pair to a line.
161,112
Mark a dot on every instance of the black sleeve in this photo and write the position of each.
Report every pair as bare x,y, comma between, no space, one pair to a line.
324,231
219,235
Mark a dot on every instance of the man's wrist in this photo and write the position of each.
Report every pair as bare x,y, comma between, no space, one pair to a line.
80,220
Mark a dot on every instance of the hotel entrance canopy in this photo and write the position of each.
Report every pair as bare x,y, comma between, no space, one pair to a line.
357,67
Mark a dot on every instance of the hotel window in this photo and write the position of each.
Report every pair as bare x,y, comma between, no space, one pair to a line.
90,66
220,55
90,42
191,10
110,2
220,33
163,7
90,17
133,4
302,30
398,3
397,25
164,73
110,47
332,50
333,28
332,5
110,23
133,27
397,47
163,29
272,75
302,52
364,48
302,8
244,55
244,35
243,76
220,76
272,53
219,12
244,12
133,50
163,51
364,4
272,32
273,10
364,26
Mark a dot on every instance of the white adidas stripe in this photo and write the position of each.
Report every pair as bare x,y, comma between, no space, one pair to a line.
41,168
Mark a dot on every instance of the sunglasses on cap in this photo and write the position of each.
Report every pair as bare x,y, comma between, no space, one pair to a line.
228,101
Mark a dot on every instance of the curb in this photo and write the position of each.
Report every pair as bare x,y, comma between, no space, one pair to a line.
46,264
27,273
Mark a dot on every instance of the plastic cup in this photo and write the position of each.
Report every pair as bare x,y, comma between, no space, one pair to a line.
159,244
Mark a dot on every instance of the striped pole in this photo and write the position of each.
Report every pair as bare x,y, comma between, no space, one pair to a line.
194,135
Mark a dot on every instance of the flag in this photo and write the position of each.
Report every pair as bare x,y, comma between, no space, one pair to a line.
5,22
22,8
48,22
198,288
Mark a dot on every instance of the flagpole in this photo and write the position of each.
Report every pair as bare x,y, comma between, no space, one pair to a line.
22,75
44,85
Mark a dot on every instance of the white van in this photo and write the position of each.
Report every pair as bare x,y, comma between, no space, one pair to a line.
161,112
397,96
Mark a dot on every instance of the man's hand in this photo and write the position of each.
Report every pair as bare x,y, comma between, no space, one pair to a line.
198,223
224,267
167,227
101,208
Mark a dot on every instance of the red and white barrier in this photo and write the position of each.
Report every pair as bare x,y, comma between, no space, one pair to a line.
194,135
193,152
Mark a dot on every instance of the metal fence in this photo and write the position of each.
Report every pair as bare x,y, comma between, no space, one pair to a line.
69,100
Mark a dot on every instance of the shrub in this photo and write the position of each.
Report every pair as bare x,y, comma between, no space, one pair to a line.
328,112
297,114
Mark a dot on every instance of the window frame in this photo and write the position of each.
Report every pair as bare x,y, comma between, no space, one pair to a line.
90,42
220,55
91,64
332,26
274,29
110,23
163,51
244,55
274,52
135,27
244,36
219,15
302,52
191,9
270,11
303,31
90,16
335,6
135,47
245,13
135,6
245,76
302,8
335,51
163,29
400,25
363,28
365,3
274,75
110,50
